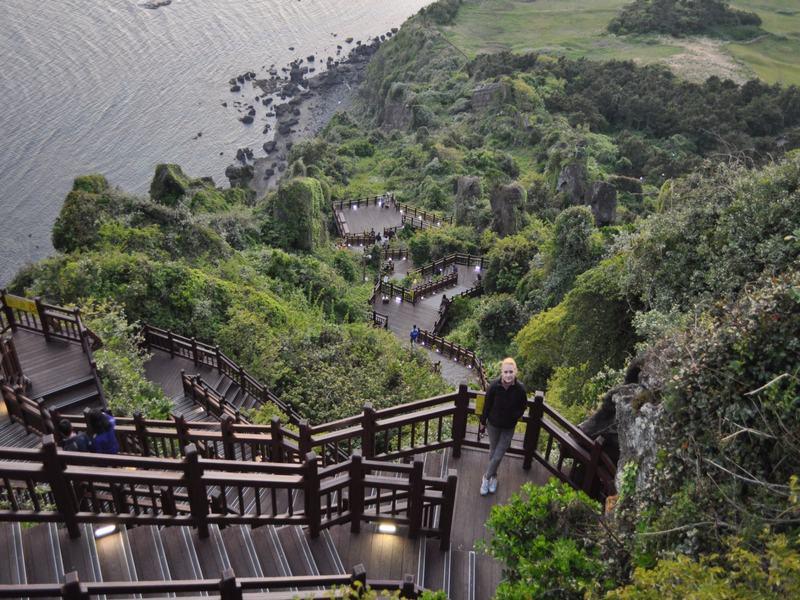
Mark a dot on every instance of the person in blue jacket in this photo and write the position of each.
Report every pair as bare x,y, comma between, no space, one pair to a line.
103,435
506,401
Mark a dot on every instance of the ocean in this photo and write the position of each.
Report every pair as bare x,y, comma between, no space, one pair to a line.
111,87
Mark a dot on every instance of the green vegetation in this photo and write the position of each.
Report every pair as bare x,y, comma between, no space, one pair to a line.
637,228
578,29
685,17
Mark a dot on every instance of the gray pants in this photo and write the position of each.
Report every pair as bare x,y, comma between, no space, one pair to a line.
499,441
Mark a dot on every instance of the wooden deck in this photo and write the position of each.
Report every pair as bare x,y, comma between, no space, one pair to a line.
366,218
49,365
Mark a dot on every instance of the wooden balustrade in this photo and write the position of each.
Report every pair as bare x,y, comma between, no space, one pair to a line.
35,315
427,218
228,587
382,200
211,356
440,266
394,253
379,319
431,287
392,290
203,394
51,485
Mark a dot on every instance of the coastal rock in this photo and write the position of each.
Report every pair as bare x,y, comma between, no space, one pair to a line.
154,4
169,184
604,203
269,146
507,203
236,88
239,175
247,119
468,192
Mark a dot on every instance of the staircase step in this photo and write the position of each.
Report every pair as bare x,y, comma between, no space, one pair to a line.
12,566
270,554
80,554
148,554
211,553
66,387
325,554
74,401
42,554
301,560
180,553
241,551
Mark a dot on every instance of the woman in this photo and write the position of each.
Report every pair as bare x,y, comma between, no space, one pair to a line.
506,401
103,434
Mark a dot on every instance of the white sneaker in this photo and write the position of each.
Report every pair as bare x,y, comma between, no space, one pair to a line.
493,485
484,486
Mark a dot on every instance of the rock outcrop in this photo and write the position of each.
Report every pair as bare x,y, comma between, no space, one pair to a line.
572,183
468,192
603,200
507,203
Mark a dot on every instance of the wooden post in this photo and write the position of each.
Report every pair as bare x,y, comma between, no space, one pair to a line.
187,384
276,440
416,494
228,436
532,429
54,468
141,433
168,502
42,318
358,579
304,443
194,351
368,431
171,344
230,588
182,430
196,489
355,493
311,494
409,590
218,355
590,474
73,589
448,510
9,312
460,419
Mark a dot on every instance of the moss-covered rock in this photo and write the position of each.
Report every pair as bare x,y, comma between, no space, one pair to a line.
169,184
93,183
297,214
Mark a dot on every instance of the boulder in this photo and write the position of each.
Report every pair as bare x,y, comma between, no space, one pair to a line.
468,192
239,175
603,200
507,203
269,146
247,119
169,184
236,88
572,183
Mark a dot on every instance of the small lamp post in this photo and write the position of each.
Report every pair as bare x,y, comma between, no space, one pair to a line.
365,259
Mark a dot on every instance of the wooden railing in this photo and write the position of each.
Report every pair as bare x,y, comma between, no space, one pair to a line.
379,319
441,265
393,290
52,485
382,200
228,587
444,308
430,219
206,396
21,409
211,356
431,287
394,254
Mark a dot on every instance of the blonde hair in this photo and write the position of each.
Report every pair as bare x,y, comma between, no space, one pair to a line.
509,361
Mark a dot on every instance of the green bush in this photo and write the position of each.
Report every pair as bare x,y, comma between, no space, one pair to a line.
546,538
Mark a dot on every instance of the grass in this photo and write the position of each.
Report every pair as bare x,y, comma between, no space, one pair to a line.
577,29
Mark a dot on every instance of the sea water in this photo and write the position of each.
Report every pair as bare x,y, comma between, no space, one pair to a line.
109,86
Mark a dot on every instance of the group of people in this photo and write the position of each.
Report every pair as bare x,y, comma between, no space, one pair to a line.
100,436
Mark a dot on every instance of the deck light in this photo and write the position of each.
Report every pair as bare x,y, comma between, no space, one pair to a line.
104,531
398,299
387,528
477,268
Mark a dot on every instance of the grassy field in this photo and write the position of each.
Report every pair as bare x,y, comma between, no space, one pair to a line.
577,29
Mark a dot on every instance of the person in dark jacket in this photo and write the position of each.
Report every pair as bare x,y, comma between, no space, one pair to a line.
506,401
71,441
104,436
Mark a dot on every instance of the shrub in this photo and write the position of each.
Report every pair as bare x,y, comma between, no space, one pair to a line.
546,538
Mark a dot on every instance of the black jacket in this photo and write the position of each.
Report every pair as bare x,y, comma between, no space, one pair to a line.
504,407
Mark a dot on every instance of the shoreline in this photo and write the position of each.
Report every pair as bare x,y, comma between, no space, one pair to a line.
303,115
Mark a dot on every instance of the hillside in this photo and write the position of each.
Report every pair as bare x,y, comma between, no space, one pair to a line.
641,236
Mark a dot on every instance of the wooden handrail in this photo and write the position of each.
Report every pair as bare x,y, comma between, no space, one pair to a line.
228,587
212,356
